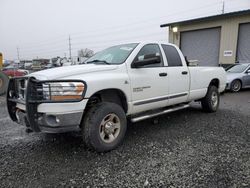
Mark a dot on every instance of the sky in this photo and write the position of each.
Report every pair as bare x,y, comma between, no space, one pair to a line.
41,28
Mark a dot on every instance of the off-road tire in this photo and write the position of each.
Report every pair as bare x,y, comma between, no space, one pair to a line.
211,101
91,126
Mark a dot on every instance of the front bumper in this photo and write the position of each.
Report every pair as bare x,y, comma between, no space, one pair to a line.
51,123
43,117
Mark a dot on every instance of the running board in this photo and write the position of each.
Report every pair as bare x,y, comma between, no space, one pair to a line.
154,114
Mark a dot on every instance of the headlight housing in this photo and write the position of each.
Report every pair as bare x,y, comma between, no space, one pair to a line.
63,91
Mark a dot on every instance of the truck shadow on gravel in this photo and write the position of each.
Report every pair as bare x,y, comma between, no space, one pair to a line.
169,129
187,147
168,122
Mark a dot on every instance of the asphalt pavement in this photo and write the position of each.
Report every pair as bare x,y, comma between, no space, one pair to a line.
189,148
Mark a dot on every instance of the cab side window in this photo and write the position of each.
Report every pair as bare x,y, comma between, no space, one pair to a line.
148,51
172,56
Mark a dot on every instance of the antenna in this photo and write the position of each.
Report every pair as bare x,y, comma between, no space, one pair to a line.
223,7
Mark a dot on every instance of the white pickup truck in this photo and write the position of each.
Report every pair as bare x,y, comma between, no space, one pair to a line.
133,81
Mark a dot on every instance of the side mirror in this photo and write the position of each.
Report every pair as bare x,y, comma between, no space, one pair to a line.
248,71
149,60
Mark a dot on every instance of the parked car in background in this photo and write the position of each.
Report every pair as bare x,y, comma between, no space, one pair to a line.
238,77
12,66
14,71
36,67
48,66
28,65
67,63
39,64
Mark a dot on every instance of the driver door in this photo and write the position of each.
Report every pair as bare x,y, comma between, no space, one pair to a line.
149,83
246,78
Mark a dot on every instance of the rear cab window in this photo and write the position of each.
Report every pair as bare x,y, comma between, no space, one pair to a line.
172,56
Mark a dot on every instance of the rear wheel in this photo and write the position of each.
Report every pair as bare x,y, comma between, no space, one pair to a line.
236,86
210,102
4,80
104,126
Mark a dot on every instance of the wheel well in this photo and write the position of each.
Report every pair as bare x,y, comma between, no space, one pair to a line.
109,95
238,80
215,82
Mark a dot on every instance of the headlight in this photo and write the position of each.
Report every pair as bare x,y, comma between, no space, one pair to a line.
63,91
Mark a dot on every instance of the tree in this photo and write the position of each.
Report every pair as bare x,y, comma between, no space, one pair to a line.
85,53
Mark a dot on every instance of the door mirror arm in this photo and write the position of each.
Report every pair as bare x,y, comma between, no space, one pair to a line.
148,61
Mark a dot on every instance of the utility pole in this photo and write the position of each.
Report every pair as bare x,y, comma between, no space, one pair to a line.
223,7
18,55
70,48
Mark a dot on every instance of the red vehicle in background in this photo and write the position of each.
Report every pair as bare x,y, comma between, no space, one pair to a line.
13,71
7,72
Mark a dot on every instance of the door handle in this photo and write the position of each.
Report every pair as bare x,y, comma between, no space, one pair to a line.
163,74
184,72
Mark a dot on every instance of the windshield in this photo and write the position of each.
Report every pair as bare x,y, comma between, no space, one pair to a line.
238,68
113,55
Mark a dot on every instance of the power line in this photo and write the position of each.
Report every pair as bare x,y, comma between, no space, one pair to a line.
99,45
117,38
118,27
46,51
87,34
100,35
143,22
58,38
152,19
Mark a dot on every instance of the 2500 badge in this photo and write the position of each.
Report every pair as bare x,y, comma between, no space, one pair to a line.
140,89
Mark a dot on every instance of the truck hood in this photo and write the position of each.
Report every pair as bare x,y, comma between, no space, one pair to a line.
61,72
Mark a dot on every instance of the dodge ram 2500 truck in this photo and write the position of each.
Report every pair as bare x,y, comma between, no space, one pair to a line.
134,81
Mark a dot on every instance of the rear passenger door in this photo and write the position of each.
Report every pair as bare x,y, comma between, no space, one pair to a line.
178,75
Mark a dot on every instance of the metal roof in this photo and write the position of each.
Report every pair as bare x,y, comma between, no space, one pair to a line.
208,18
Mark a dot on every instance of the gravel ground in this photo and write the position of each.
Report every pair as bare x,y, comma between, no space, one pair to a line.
188,148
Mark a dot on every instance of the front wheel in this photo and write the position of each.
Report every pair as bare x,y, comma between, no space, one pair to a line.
210,102
104,126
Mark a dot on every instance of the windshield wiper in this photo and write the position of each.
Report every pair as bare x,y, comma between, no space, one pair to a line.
99,61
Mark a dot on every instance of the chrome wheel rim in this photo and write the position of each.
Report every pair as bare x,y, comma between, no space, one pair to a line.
236,86
214,99
110,128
